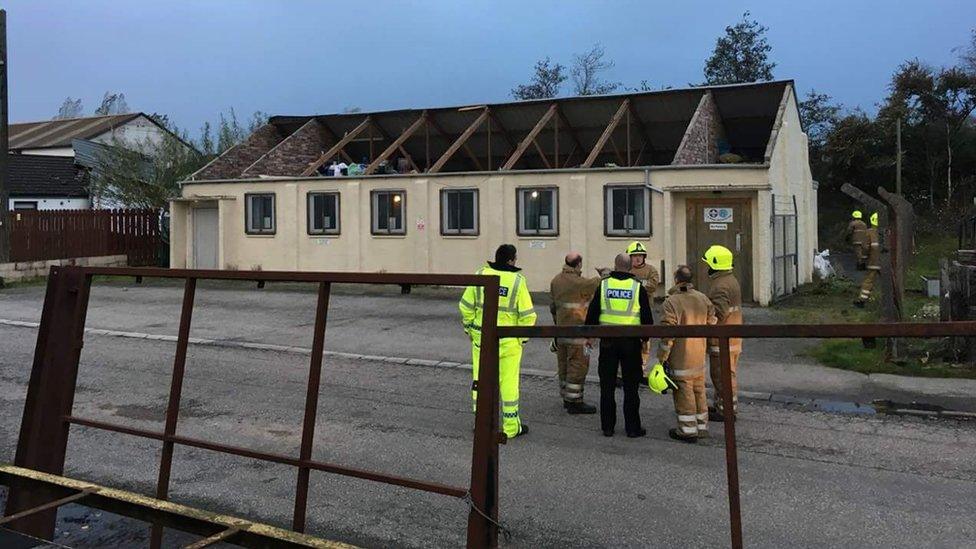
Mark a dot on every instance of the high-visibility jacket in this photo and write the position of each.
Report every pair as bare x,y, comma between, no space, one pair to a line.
619,303
514,303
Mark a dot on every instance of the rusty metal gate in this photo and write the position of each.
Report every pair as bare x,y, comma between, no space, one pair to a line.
48,410
50,395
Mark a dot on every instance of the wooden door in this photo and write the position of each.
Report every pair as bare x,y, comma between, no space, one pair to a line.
727,222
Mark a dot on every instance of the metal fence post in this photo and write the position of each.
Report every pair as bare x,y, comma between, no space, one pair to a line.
50,394
731,456
482,532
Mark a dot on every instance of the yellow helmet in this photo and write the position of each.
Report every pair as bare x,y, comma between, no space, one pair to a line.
874,219
636,248
856,214
719,258
658,380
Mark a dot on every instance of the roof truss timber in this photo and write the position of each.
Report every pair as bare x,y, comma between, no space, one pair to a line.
386,137
607,132
467,148
461,141
530,138
398,144
324,157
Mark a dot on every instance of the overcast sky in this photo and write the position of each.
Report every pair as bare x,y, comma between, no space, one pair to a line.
191,59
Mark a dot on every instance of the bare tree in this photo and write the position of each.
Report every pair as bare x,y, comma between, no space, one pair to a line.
586,71
112,103
546,80
70,108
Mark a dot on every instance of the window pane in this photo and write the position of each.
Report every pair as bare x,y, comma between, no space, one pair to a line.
453,223
637,209
317,205
619,208
545,210
267,213
531,210
396,211
466,210
383,211
331,221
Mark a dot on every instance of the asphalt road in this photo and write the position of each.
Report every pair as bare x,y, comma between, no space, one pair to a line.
809,479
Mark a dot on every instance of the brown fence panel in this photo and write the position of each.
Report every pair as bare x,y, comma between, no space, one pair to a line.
63,234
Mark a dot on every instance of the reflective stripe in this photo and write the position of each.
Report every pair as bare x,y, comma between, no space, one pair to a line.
687,373
576,386
572,395
467,303
734,308
510,403
686,417
702,416
713,350
527,312
693,430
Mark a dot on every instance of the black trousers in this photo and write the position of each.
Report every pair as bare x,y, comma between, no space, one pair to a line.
624,354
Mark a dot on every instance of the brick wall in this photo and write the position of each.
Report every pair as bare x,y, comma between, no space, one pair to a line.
294,154
10,272
238,158
700,142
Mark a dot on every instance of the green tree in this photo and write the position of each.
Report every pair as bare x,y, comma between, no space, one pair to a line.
740,55
546,81
206,143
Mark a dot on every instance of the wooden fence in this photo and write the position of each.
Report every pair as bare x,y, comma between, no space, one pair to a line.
62,234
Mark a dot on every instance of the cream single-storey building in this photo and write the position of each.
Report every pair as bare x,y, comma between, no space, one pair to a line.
437,190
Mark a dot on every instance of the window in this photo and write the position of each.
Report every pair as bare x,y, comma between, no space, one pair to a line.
323,213
25,204
538,211
459,212
388,212
627,210
259,213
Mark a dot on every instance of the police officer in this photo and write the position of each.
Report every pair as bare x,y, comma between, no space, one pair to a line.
620,301
855,234
726,296
514,309
649,278
873,243
571,293
686,306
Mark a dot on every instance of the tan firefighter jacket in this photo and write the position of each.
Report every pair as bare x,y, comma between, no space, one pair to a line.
685,306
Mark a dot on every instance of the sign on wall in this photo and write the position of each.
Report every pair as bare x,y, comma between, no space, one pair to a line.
718,215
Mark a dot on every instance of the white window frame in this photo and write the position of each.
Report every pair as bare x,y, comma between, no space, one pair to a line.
374,199
310,212
608,228
249,227
445,213
524,193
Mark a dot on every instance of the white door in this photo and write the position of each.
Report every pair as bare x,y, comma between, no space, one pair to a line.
205,238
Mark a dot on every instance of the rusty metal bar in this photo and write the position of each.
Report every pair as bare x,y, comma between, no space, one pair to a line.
50,394
216,538
773,331
483,532
49,505
731,454
275,458
173,406
417,279
311,405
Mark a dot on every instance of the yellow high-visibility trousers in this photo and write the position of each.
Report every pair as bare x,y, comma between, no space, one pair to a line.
509,365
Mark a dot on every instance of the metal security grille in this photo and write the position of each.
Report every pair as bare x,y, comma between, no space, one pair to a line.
786,271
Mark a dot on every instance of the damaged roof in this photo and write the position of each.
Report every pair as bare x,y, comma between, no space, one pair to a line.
59,133
650,129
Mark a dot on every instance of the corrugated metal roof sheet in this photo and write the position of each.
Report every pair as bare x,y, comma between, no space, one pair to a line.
42,175
59,133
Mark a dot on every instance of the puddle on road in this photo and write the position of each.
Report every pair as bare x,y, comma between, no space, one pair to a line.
841,407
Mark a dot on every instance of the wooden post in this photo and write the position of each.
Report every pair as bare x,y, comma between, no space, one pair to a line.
607,132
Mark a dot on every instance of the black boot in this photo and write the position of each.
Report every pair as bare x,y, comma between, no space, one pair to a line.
579,407
637,434
690,439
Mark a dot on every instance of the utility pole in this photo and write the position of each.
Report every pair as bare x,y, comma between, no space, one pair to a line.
898,157
4,187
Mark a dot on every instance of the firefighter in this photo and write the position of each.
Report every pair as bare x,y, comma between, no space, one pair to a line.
873,243
649,278
514,309
726,296
571,293
856,237
620,301
685,357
